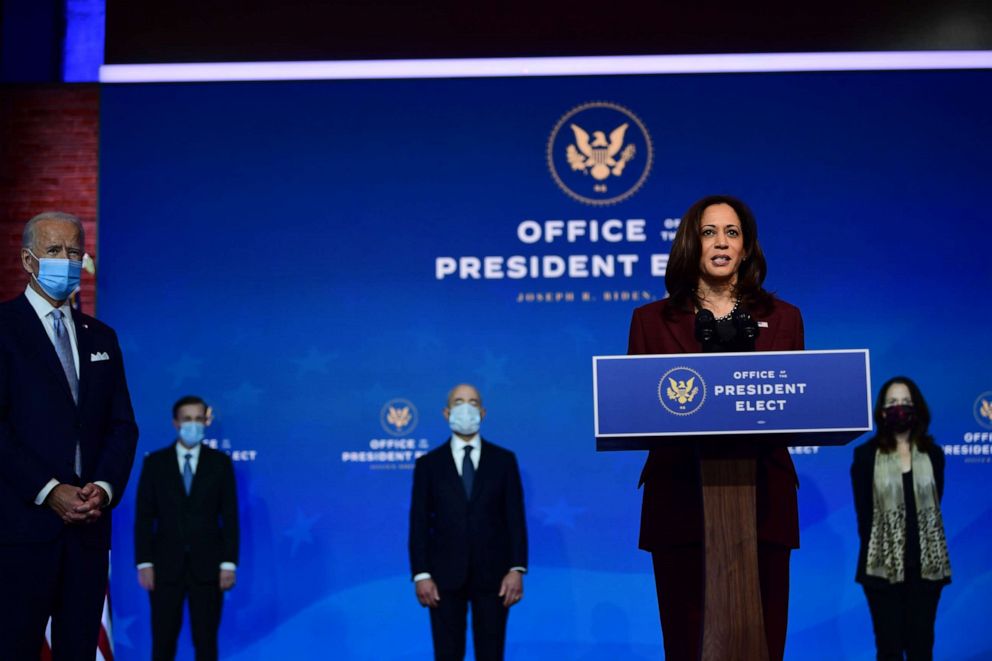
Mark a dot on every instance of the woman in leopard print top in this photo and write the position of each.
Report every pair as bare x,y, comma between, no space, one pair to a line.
898,481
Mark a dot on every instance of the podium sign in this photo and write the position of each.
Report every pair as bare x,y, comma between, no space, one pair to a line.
815,397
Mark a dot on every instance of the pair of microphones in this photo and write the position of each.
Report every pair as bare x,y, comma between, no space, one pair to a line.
745,326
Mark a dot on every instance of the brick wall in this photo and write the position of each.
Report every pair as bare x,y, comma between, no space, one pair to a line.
48,162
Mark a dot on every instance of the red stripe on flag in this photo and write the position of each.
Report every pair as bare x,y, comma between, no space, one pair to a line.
105,643
46,644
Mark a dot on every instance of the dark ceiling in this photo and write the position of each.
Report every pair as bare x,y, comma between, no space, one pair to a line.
256,30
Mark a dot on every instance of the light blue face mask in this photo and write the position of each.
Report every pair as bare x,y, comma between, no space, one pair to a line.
192,433
464,418
58,277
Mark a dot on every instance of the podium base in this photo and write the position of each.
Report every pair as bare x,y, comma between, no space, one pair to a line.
733,618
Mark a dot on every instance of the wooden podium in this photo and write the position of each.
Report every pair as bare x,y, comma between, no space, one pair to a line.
725,405
733,621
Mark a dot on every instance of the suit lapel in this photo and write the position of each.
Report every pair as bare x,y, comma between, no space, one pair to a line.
83,345
484,471
766,335
449,472
683,328
204,466
35,337
175,471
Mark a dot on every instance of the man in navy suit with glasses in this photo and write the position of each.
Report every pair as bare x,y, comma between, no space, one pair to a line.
67,441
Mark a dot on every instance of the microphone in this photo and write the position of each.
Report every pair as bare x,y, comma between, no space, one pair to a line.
705,328
747,329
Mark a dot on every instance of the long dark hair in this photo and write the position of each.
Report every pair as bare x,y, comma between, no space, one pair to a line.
919,433
682,274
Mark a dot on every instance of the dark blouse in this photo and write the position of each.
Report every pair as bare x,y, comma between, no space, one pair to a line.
726,334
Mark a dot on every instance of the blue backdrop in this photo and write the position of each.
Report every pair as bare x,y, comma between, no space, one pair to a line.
303,255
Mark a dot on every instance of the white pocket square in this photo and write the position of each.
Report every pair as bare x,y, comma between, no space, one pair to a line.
762,324
98,356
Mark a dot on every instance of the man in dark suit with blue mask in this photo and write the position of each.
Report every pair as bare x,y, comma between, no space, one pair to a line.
67,440
186,533
468,534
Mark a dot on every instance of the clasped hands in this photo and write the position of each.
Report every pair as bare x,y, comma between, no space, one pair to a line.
511,590
77,504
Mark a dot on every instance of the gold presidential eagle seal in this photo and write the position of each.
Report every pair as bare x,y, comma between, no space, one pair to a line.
682,391
599,153
983,409
398,417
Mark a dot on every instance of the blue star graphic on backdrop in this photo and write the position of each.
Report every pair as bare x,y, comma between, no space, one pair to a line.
427,339
301,532
119,630
185,368
556,393
315,361
240,335
493,370
560,514
580,335
377,395
244,395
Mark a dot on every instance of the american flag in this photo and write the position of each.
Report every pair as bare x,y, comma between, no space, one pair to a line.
105,644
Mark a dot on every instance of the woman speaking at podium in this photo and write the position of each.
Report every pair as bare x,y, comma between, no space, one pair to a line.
715,303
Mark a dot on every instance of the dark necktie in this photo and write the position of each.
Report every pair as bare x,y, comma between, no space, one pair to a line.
64,350
468,470
188,472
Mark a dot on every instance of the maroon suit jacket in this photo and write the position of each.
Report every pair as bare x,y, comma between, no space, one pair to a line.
671,510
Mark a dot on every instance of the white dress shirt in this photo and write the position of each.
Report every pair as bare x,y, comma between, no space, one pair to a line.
458,451
44,311
194,461
458,455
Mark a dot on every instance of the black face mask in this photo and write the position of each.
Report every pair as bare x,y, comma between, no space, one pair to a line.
899,418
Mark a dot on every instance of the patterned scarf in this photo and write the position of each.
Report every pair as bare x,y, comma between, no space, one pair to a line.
887,545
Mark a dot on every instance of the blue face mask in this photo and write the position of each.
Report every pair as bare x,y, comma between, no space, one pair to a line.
464,419
59,278
192,433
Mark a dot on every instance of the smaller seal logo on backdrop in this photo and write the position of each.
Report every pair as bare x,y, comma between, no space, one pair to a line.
398,417
682,391
983,409
599,153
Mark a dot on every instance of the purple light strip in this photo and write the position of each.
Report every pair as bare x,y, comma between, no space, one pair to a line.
545,66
